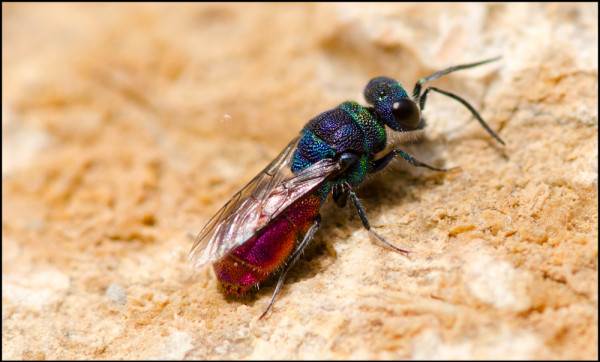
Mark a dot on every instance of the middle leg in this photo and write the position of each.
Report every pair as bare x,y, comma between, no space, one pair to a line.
365,221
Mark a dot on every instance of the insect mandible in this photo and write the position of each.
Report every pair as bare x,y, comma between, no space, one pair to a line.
265,227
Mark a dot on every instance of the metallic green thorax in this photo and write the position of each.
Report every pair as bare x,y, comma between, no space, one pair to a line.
374,132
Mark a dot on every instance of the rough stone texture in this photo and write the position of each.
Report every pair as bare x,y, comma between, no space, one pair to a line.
125,127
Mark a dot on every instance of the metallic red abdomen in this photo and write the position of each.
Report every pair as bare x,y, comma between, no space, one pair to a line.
260,256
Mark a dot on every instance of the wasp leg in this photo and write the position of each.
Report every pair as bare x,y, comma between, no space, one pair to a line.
307,238
382,162
340,194
363,218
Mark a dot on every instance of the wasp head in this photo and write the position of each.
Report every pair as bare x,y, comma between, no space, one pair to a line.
392,105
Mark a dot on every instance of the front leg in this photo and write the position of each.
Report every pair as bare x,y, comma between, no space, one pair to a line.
382,162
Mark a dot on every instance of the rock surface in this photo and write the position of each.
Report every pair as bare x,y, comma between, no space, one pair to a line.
126,126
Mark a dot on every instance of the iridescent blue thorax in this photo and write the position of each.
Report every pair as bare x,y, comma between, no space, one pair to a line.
348,128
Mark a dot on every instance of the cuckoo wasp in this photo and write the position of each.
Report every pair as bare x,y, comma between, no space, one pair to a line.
265,227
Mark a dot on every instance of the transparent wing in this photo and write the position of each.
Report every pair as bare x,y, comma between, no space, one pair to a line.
262,199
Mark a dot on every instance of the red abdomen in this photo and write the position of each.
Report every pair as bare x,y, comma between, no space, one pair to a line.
260,256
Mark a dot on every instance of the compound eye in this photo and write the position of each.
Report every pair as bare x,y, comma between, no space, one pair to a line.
406,113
